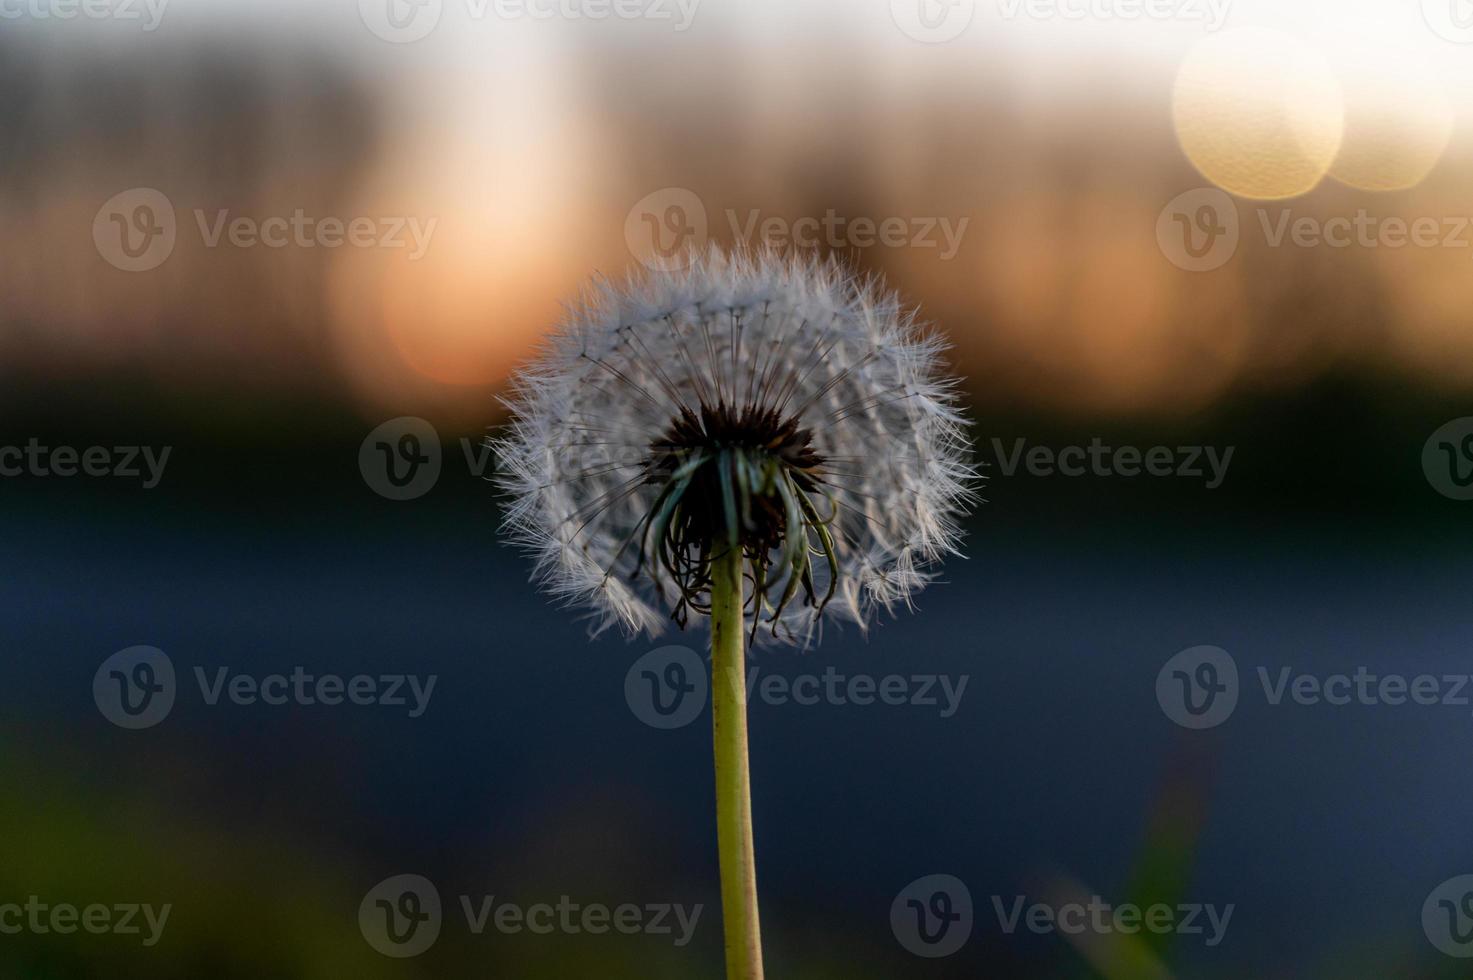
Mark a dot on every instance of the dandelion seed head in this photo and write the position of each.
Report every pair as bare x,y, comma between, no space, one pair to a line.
778,405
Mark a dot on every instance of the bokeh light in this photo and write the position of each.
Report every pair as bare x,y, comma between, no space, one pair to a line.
1398,118
1259,113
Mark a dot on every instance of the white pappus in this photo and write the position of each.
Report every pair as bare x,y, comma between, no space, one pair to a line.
781,405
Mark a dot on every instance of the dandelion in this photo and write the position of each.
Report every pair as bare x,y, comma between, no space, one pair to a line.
766,443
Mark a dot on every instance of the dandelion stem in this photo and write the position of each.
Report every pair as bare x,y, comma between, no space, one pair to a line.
733,772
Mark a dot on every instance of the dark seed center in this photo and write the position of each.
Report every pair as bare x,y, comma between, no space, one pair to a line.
750,428
736,477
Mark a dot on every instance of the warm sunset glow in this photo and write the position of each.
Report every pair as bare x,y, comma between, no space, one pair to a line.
467,317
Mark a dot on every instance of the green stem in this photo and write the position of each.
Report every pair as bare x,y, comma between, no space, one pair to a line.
733,773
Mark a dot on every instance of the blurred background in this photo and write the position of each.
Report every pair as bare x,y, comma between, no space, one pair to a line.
253,233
